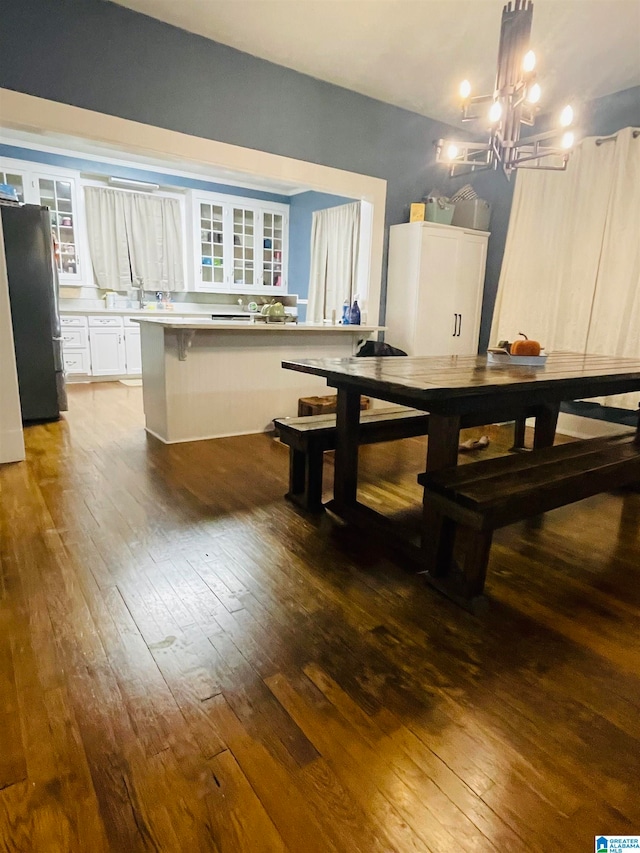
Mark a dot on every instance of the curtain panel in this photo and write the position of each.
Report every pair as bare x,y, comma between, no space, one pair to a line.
570,274
134,235
335,246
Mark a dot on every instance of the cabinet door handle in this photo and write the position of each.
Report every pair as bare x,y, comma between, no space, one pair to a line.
455,325
459,324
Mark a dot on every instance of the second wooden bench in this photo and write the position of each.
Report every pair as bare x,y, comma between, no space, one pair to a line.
479,498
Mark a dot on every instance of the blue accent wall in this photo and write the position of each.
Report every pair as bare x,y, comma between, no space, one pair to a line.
103,57
301,210
83,164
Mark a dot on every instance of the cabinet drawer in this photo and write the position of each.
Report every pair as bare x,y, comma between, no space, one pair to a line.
131,321
76,362
78,322
101,322
74,338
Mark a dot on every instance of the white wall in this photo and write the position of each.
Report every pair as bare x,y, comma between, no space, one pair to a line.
11,437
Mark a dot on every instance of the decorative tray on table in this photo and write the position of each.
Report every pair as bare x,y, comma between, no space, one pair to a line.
498,355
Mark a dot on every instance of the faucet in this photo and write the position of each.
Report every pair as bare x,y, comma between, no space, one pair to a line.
138,284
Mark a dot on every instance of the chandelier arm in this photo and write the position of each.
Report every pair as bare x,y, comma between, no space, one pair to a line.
514,78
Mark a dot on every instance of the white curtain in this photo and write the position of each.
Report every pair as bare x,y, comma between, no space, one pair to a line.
335,244
135,235
108,243
570,274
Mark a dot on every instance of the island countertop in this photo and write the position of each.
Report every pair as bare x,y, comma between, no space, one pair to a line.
248,326
204,378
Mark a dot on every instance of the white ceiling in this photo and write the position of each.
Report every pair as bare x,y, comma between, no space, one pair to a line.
413,53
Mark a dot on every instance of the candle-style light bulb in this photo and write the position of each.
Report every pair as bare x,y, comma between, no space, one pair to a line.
567,139
495,112
566,116
534,93
452,151
529,62
465,89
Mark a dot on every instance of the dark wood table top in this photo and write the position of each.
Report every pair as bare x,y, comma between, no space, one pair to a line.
458,384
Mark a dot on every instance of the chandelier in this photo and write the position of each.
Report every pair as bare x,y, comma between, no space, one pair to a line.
512,104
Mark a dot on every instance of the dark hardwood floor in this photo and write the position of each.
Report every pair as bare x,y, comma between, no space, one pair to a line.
187,663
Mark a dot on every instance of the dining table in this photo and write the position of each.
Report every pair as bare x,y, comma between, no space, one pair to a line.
457,391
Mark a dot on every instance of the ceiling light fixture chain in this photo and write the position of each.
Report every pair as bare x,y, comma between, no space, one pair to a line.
511,105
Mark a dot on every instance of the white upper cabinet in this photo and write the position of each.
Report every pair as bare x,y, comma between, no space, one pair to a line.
57,190
58,193
15,178
239,247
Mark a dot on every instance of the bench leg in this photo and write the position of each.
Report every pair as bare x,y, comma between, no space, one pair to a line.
519,428
463,582
475,561
305,478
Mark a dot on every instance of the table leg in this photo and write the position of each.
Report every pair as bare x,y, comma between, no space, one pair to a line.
546,423
438,535
345,482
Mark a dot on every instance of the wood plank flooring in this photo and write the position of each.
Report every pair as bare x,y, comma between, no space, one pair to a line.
187,663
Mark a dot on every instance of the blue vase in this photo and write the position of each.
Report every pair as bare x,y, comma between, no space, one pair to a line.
354,314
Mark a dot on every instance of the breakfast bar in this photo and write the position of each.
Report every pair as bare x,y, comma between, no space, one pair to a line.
209,379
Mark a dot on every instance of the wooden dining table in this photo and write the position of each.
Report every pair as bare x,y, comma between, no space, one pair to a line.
455,390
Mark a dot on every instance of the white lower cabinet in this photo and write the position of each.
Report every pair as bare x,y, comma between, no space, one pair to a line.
100,345
107,351
76,362
133,351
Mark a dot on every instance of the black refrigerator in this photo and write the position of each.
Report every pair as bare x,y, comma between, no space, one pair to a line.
33,294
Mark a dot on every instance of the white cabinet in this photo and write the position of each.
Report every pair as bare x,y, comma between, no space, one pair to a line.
58,193
239,246
75,345
434,288
133,351
106,342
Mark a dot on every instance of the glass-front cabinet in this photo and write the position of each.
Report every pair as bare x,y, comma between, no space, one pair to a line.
35,184
272,248
15,179
212,254
242,247
58,194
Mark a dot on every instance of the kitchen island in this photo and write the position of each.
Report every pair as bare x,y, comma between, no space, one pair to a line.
209,379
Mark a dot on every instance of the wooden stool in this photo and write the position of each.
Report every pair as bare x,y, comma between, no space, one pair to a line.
324,405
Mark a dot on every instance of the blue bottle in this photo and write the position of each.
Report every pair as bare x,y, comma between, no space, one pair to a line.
345,313
354,314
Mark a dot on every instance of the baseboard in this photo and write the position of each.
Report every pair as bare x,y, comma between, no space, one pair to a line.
578,427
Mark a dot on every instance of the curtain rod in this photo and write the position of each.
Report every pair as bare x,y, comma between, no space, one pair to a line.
634,135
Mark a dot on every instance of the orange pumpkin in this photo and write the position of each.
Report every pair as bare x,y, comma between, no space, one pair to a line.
525,347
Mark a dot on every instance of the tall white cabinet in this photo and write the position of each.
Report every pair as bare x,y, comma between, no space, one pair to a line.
434,288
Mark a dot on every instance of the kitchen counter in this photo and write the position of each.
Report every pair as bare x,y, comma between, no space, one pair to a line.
256,326
207,379
136,312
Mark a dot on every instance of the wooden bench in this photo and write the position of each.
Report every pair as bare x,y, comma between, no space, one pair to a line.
309,437
478,498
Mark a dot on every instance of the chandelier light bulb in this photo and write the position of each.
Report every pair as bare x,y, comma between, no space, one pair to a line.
495,112
567,139
529,62
452,151
465,89
534,94
566,116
